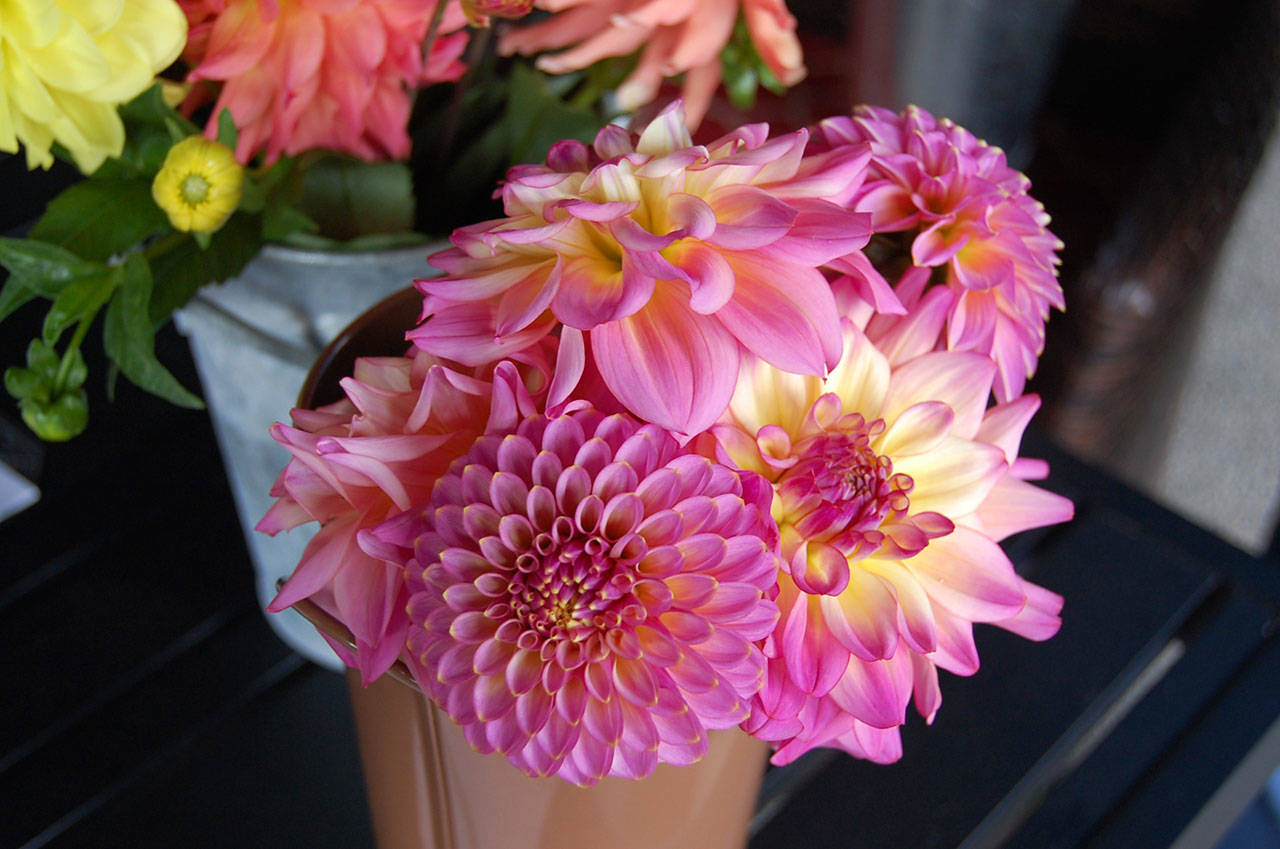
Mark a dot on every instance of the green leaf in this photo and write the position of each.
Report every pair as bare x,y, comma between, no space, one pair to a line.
101,218
80,300
148,137
347,197
537,118
149,109
44,268
280,221
179,272
228,135
13,295
129,340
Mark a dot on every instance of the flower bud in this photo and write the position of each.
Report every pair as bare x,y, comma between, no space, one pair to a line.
199,185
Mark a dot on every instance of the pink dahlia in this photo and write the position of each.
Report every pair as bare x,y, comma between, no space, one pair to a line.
892,486
303,75
588,595
671,259
965,212
673,37
366,458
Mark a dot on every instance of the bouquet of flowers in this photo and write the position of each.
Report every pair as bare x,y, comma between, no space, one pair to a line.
696,436
269,112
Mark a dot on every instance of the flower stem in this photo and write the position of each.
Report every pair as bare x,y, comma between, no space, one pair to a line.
64,367
433,30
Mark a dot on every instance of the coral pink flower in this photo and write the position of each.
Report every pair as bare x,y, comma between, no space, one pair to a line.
319,74
964,210
366,458
588,595
673,36
892,486
671,259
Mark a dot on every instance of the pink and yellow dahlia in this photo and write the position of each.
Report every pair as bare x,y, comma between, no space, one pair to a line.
892,486
367,458
963,211
588,595
303,75
673,38
671,259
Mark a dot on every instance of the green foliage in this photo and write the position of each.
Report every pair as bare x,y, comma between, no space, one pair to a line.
536,117
347,197
129,340
79,301
43,268
50,392
743,71
184,267
102,217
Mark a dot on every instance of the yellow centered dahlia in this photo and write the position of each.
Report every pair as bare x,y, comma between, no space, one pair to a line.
198,185
66,64
893,485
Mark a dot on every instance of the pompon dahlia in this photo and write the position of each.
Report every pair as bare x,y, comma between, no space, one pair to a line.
303,75
892,486
363,459
588,595
670,258
964,211
672,38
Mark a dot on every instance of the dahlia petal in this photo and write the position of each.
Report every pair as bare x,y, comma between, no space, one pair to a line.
970,575
820,569
679,380
1038,619
960,380
972,323
747,218
915,613
794,327
864,618
861,378
1014,505
955,477
918,429
875,692
917,333
327,552
956,650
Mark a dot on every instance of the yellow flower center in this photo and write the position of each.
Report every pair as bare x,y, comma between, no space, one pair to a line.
194,189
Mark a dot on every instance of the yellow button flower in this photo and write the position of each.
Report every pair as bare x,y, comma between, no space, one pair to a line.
66,64
198,185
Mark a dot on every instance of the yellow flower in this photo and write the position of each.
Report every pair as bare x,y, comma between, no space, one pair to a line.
198,185
66,64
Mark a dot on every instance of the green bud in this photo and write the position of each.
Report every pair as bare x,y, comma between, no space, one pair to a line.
63,419
24,383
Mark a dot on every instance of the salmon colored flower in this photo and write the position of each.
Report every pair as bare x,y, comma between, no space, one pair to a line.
673,37
66,64
369,457
588,595
892,487
303,75
664,260
199,185
963,211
